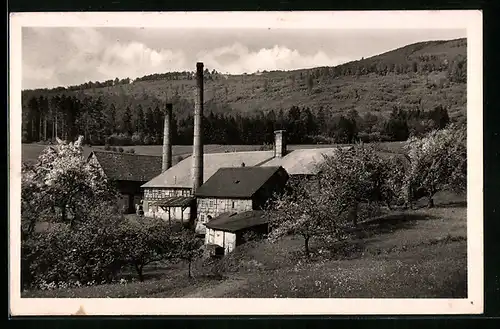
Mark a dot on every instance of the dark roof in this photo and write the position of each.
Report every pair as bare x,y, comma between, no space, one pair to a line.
127,166
241,182
174,201
233,222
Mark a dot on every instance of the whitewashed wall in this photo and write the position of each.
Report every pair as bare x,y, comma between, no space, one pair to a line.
226,240
155,194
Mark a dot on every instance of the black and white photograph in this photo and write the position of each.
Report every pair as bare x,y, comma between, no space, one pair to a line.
270,162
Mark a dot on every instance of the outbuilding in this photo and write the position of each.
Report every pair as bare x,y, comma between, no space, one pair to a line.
229,230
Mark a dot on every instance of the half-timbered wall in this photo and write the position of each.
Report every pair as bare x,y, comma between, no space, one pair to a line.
213,207
157,194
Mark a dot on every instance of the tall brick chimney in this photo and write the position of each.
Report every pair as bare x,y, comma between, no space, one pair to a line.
167,139
197,173
279,143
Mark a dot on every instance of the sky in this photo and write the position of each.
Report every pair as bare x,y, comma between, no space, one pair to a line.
63,56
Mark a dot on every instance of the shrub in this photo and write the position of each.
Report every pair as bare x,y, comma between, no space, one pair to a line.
137,139
131,150
107,147
119,140
62,254
114,149
25,138
251,236
120,149
147,140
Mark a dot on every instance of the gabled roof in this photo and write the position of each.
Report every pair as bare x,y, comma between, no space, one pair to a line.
233,222
301,161
179,176
242,182
295,162
127,166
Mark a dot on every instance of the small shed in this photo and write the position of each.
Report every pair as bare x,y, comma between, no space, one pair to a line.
228,230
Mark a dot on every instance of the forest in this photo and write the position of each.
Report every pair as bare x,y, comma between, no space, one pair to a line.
412,90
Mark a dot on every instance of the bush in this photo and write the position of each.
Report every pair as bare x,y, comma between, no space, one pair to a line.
93,252
61,254
119,140
131,151
107,147
25,138
137,139
114,149
252,236
147,140
120,149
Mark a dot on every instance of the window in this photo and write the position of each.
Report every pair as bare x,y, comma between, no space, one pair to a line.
211,203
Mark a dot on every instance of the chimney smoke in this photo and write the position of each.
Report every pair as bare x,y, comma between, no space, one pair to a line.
167,139
198,129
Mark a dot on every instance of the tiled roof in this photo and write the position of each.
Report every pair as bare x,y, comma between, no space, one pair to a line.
295,162
242,182
128,167
233,222
180,174
302,161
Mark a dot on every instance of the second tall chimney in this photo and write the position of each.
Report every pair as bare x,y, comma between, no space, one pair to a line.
167,139
197,174
279,143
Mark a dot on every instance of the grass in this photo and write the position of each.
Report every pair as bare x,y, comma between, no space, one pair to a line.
419,253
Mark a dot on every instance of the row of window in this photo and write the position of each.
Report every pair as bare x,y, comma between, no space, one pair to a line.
160,194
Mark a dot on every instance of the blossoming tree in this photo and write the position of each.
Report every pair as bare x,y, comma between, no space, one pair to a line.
438,161
62,186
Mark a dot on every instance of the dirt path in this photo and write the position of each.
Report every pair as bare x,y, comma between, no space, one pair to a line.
219,290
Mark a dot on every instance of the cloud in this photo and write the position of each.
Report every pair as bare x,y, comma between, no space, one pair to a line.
69,56
238,59
37,76
135,59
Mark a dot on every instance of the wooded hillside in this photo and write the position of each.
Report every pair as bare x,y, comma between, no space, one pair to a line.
419,86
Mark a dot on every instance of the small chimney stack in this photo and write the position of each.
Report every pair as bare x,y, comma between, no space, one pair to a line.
167,139
197,173
279,143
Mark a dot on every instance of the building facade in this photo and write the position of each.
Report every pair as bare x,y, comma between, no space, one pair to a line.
237,190
228,231
127,172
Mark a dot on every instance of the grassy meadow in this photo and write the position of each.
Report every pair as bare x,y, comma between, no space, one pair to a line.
412,254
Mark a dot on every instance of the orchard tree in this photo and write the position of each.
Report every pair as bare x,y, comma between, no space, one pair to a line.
302,209
187,247
438,161
63,180
357,176
143,243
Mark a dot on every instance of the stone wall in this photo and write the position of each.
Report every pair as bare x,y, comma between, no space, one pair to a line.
213,207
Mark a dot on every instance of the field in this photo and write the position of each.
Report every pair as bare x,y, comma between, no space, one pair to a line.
30,152
419,253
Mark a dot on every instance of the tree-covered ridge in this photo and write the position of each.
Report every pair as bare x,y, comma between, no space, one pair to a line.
343,103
